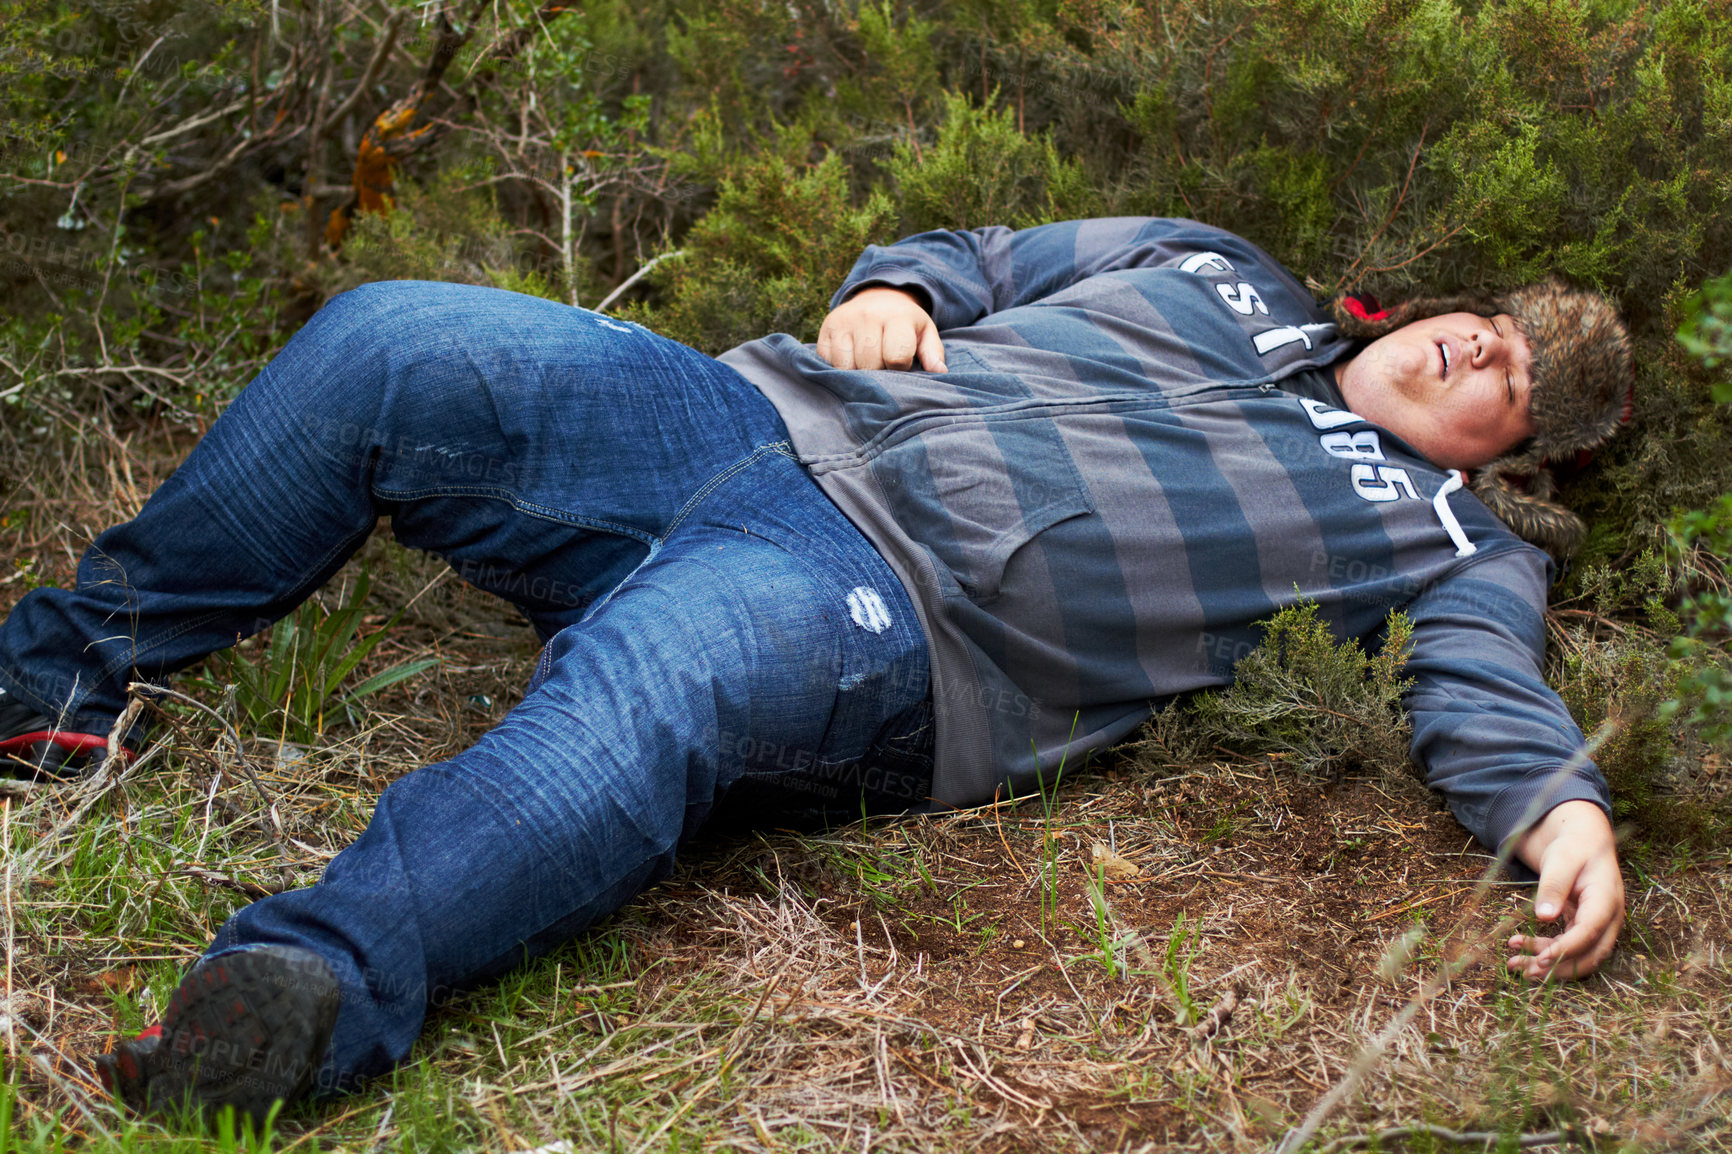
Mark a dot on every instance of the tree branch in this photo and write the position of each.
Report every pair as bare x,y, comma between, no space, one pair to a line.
387,42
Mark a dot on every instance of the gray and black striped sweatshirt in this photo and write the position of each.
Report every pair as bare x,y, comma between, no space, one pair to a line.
1137,453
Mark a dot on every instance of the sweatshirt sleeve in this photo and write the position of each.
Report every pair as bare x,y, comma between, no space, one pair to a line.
1488,730
965,276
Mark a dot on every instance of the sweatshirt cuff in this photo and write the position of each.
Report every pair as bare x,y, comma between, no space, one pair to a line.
909,282
1504,821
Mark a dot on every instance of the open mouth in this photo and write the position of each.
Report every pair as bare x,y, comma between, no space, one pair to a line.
1444,349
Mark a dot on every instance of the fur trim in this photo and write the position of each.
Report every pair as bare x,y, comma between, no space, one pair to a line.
1362,321
1532,515
1582,374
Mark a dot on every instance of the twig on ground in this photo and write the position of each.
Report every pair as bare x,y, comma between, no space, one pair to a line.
273,824
1443,1134
1218,1017
93,790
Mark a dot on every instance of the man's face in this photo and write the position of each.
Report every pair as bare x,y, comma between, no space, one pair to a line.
1455,387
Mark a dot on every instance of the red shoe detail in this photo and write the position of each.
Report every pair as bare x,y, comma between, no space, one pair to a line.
123,1061
85,743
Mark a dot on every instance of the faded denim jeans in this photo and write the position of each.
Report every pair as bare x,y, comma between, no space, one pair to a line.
712,622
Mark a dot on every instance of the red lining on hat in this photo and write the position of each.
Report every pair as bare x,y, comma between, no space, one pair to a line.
1365,308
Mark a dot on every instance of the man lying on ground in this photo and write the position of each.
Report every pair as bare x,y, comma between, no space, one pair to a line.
1026,487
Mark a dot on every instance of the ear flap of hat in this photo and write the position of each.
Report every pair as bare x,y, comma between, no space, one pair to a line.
1529,511
1361,319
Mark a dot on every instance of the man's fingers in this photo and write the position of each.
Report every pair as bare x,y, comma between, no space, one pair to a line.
879,328
842,349
899,344
932,351
868,347
1578,951
1554,891
1543,958
1575,851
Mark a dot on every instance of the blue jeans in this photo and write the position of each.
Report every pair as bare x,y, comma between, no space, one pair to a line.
713,623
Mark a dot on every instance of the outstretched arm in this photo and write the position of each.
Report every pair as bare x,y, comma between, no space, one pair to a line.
1576,855
1496,740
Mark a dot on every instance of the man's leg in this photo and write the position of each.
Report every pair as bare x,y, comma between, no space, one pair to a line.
764,635
542,450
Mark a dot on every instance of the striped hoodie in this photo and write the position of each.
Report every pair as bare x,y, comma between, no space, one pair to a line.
1138,452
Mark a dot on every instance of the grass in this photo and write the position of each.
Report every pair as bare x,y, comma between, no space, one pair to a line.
970,981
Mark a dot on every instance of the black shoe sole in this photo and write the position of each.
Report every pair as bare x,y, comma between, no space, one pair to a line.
246,1029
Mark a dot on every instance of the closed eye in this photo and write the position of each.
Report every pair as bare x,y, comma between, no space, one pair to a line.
1508,379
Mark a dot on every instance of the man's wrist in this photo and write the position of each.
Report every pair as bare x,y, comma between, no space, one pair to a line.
913,292
1575,818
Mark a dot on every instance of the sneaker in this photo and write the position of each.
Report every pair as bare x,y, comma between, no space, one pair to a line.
33,747
245,1029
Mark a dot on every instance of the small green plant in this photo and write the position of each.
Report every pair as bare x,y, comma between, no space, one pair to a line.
1183,943
295,681
959,919
1049,842
1109,947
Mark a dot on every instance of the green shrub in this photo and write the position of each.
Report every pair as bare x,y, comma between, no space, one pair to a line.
768,256
1323,707
450,230
982,171
1702,539
291,687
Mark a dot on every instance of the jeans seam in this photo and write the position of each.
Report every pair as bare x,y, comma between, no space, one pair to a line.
136,652
131,656
774,448
540,512
778,448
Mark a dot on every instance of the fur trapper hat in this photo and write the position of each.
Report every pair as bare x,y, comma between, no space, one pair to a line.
1583,390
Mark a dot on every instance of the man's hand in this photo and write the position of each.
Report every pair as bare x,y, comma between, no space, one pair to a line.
880,328
1576,855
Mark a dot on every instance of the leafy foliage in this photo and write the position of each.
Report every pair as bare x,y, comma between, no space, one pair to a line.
982,171
1707,332
290,686
1701,651
1323,706
1702,540
767,258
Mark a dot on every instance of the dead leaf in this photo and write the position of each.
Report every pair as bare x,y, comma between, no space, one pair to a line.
1114,867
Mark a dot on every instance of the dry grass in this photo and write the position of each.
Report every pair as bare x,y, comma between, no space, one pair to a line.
938,983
